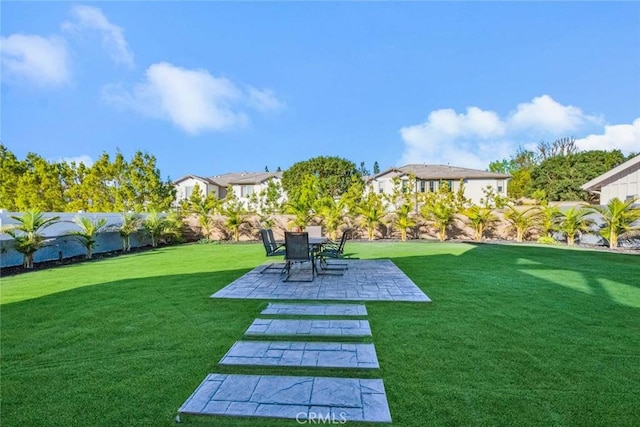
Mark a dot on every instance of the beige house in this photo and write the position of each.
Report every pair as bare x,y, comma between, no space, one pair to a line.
430,177
622,182
243,184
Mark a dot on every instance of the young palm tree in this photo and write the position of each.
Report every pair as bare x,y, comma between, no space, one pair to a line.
550,217
404,221
618,218
301,211
27,233
522,220
481,218
573,222
332,213
89,229
154,225
442,214
371,212
130,224
236,215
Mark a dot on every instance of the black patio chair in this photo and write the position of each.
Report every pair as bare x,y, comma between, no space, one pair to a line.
333,250
272,249
296,247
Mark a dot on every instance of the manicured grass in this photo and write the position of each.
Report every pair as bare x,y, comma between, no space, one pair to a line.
516,335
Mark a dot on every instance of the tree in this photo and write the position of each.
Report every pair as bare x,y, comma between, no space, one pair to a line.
333,173
236,215
441,207
404,220
371,212
10,169
618,217
301,207
573,222
89,229
376,168
481,218
27,234
156,225
522,220
562,175
131,222
550,218
332,213
363,170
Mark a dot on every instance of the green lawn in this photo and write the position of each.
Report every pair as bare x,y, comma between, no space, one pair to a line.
516,335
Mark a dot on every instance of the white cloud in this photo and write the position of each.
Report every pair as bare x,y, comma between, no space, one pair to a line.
545,113
477,137
193,100
87,18
87,160
40,60
624,137
264,100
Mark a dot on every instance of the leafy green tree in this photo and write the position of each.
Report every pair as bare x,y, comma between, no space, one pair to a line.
302,206
40,186
618,217
155,225
550,218
131,222
481,218
522,220
332,212
333,173
236,215
376,168
574,222
562,175
87,235
27,234
372,213
10,169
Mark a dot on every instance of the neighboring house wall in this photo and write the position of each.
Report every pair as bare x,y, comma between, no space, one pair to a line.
185,187
473,187
622,182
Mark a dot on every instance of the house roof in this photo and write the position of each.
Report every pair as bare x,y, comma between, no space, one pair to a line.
597,183
201,178
424,171
244,178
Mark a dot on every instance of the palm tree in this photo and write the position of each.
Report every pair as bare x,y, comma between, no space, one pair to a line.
522,220
573,222
88,232
154,225
236,216
404,221
301,211
442,213
481,218
550,217
130,224
332,212
27,233
371,212
618,218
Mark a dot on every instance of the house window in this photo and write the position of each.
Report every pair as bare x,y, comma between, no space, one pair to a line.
432,186
188,191
246,190
450,183
423,186
501,186
381,187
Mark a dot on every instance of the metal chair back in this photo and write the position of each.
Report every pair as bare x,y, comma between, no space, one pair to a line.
296,247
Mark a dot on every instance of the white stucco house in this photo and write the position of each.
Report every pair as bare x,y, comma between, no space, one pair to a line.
430,177
622,182
243,184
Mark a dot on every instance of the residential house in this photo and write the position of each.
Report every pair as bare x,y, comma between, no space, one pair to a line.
185,186
622,182
431,177
243,184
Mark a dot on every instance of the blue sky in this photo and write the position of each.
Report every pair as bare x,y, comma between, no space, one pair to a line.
210,87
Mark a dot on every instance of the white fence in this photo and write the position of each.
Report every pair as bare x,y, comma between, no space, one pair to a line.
59,244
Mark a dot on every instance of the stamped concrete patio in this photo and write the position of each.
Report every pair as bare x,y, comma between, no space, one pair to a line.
364,280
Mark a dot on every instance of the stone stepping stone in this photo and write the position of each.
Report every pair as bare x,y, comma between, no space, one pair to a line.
307,354
316,309
325,328
300,398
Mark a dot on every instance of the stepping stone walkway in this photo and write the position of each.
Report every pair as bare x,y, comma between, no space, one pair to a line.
316,310
307,354
287,327
299,398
